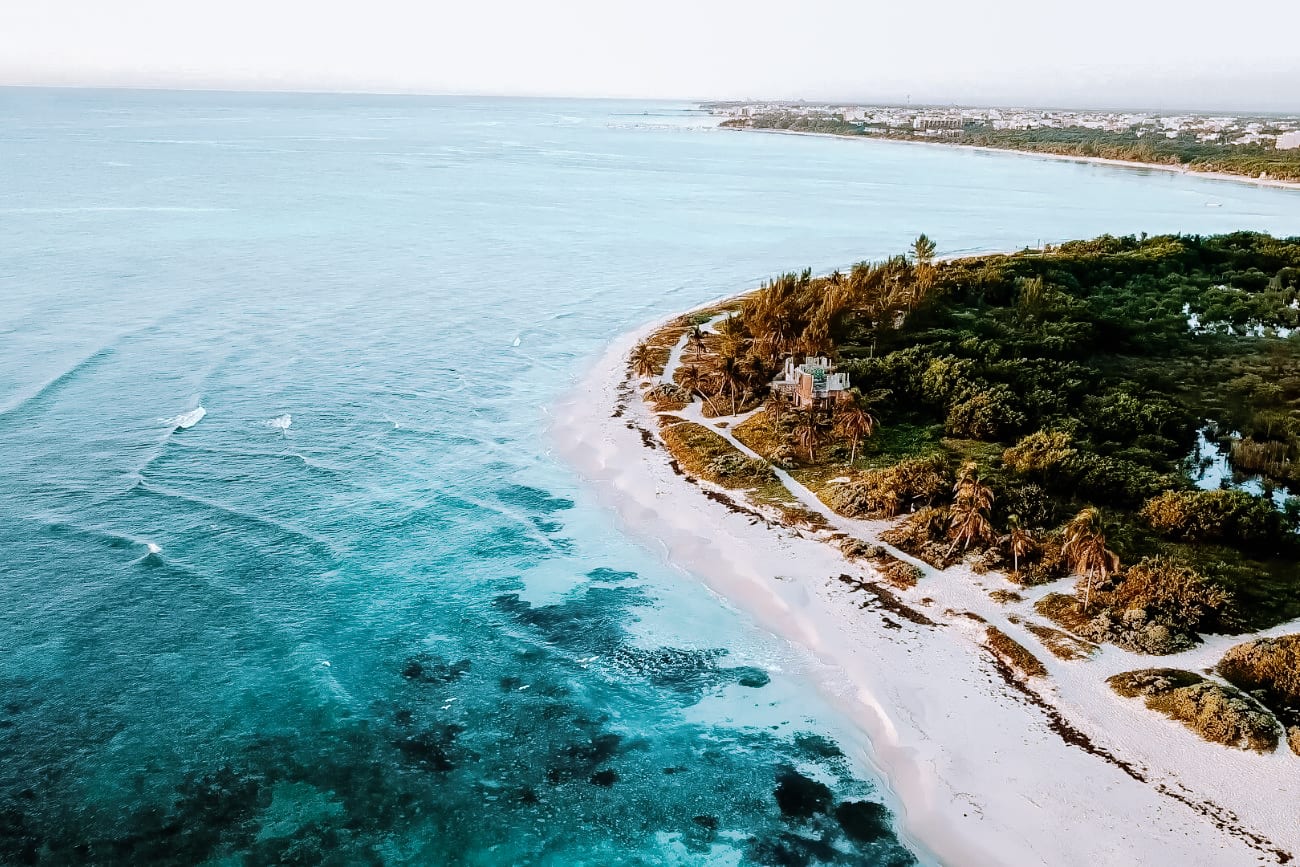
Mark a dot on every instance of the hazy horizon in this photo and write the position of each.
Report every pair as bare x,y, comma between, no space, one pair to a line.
1012,53
700,101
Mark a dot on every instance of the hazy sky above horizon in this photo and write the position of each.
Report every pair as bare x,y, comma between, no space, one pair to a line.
1100,53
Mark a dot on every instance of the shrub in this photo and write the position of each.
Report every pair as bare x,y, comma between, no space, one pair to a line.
924,534
1197,516
1110,479
1041,453
984,415
1030,503
855,548
1170,592
1271,664
668,396
1219,714
1155,606
703,453
1270,669
899,573
739,469
890,491
1047,563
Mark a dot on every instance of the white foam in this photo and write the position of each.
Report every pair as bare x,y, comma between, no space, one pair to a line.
281,422
153,549
187,420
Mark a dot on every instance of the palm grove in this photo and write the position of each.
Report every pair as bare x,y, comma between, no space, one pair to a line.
1036,413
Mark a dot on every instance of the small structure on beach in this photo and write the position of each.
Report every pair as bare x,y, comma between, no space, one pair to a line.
813,384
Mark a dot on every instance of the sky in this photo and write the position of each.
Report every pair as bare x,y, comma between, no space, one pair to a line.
1242,55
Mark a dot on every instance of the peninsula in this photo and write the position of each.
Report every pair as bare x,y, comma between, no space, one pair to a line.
1258,147
1032,514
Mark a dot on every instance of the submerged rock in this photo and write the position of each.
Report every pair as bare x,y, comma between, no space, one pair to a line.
800,797
863,821
427,668
754,678
605,778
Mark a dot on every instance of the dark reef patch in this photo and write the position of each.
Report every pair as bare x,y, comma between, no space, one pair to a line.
533,499
610,576
509,740
863,821
801,797
427,668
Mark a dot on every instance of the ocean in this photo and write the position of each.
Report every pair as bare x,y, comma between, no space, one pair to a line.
290,573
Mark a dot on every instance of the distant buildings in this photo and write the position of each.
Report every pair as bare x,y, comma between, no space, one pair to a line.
1265,131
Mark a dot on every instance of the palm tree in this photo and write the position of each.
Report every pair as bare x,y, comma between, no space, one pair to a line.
923,250
855,421
1020,540
694,380
968,521
1085,549
775,406
808,431
643,360
730,377
697,341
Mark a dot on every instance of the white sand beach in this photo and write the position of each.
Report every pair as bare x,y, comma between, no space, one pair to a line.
982,767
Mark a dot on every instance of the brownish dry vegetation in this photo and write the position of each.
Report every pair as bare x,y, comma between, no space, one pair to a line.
1269,668
1013,653
1219,714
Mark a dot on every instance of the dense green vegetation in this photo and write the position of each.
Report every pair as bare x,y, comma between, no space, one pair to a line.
1038,413
1252,160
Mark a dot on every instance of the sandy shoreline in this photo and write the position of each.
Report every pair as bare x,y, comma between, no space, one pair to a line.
1104,161
982,769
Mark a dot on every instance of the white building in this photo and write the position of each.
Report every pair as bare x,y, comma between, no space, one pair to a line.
1288,141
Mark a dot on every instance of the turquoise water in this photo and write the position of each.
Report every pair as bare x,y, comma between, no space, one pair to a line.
356,613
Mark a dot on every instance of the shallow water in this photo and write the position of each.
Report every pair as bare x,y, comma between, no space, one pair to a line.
289,573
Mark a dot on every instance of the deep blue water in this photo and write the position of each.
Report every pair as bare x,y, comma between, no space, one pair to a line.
398,631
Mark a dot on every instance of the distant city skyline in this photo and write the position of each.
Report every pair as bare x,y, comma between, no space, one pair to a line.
1109,54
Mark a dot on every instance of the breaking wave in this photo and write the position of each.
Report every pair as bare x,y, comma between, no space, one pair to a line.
186,420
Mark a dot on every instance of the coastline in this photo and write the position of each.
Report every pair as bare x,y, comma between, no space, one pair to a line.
982,768
1103,161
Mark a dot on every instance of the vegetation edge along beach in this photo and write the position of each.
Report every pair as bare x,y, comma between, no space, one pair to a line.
1098,437
1255,163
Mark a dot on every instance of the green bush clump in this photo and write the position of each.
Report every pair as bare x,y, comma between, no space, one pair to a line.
984,415
899,573
1041,454
1198,516
703,453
